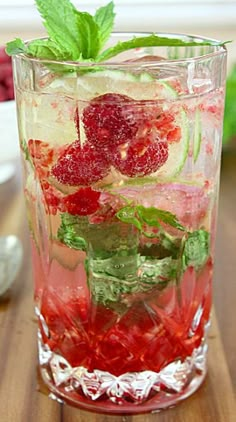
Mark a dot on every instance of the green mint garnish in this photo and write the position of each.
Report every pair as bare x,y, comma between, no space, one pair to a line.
68,233
46,49
196,249
104,17
89,36
149,41
60,21
78,36
72,35
16,47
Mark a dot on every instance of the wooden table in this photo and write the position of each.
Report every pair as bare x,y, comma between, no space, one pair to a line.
21,395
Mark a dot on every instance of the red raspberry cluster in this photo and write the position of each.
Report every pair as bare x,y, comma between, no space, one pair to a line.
132,136
6,79
121,132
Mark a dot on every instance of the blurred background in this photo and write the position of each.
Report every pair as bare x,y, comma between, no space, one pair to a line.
211,18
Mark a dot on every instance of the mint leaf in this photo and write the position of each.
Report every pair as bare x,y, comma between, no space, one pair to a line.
60,20
16,46
68,233
154,217
150,41
46,49
104,17
88,37
196,249
78,36
139,216
128,215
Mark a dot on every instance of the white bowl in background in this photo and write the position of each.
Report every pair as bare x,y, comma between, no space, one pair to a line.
9,141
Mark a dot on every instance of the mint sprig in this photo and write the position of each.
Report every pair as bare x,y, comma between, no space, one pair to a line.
72,35
78,36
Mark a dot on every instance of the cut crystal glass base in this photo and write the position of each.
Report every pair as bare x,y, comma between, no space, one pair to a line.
131,392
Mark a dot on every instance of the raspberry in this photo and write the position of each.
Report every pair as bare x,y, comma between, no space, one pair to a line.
80,165
5,71
4,58
82,202
108,120
111,120
3,93
6,78
140,157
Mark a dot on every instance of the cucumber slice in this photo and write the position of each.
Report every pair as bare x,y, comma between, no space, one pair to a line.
178,151
137,86
141,86
197,138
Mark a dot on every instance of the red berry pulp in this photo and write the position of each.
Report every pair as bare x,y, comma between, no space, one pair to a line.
147,336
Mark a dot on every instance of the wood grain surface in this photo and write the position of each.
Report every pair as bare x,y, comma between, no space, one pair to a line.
23,398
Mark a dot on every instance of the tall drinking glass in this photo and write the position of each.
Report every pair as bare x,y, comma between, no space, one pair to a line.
121,163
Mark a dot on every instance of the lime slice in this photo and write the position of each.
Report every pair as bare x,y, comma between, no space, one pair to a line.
136,86
197,136
178,151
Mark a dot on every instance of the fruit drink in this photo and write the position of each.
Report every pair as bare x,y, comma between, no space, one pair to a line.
121,165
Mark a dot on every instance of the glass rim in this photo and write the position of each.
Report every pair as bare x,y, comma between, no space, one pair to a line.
220,50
